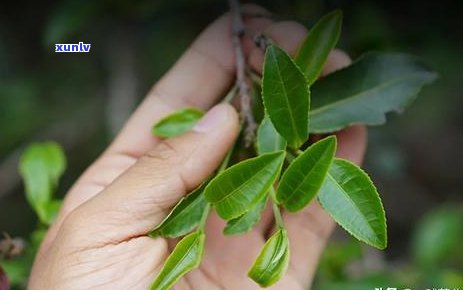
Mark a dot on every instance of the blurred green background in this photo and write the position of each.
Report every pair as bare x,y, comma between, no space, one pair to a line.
81,100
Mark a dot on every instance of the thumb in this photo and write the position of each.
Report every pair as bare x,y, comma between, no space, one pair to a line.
142,196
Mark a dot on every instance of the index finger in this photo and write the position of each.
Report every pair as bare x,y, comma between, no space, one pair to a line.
198,79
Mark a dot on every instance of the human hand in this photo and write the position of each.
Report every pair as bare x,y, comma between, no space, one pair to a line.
100,241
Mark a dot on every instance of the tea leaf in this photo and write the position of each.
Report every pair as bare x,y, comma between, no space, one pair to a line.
286,96
365,91
244,223
305,175
177,123
41,166
268,139
322,38
272,262
185,216
351,199
240,187
186,256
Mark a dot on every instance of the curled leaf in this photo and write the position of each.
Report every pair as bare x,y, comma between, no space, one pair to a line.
273,260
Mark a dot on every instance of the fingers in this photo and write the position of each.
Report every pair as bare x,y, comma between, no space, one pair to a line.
141,197
199,78
287,34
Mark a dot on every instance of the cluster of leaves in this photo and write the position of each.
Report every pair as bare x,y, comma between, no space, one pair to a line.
41,167
297,103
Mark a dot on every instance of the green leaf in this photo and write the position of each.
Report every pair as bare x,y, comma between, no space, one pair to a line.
318,44
177,123
351,199
51,210
306,174
186,256
268,139
244,223
41,166
240,187
365,91
272,262
185,216
437,236
286,96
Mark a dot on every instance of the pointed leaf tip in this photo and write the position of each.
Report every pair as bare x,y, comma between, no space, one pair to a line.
286,96
318,44
349,196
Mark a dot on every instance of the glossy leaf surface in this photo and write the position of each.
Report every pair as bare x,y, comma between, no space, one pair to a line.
185,216
322,38
186,256
268,139
286,96
177,123
305,175
377,83
240,187
350,197
244,223
273,260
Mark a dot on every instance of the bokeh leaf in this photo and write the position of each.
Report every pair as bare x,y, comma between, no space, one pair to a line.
305,175
322,38
186,256
51,210
177,123
41,166
245,222
437,236
377,83
70,18
268,139
240,187
273,260
286,96
351,199
185,216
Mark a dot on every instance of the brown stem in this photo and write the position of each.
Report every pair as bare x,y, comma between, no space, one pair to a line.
242,81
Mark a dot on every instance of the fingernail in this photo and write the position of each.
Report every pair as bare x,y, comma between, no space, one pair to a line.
214,118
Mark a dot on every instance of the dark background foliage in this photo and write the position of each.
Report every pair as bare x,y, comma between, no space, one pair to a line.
81,100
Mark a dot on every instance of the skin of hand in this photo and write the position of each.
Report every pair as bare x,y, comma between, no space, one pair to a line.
99,240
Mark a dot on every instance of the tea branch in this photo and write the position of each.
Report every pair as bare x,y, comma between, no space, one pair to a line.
242,81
